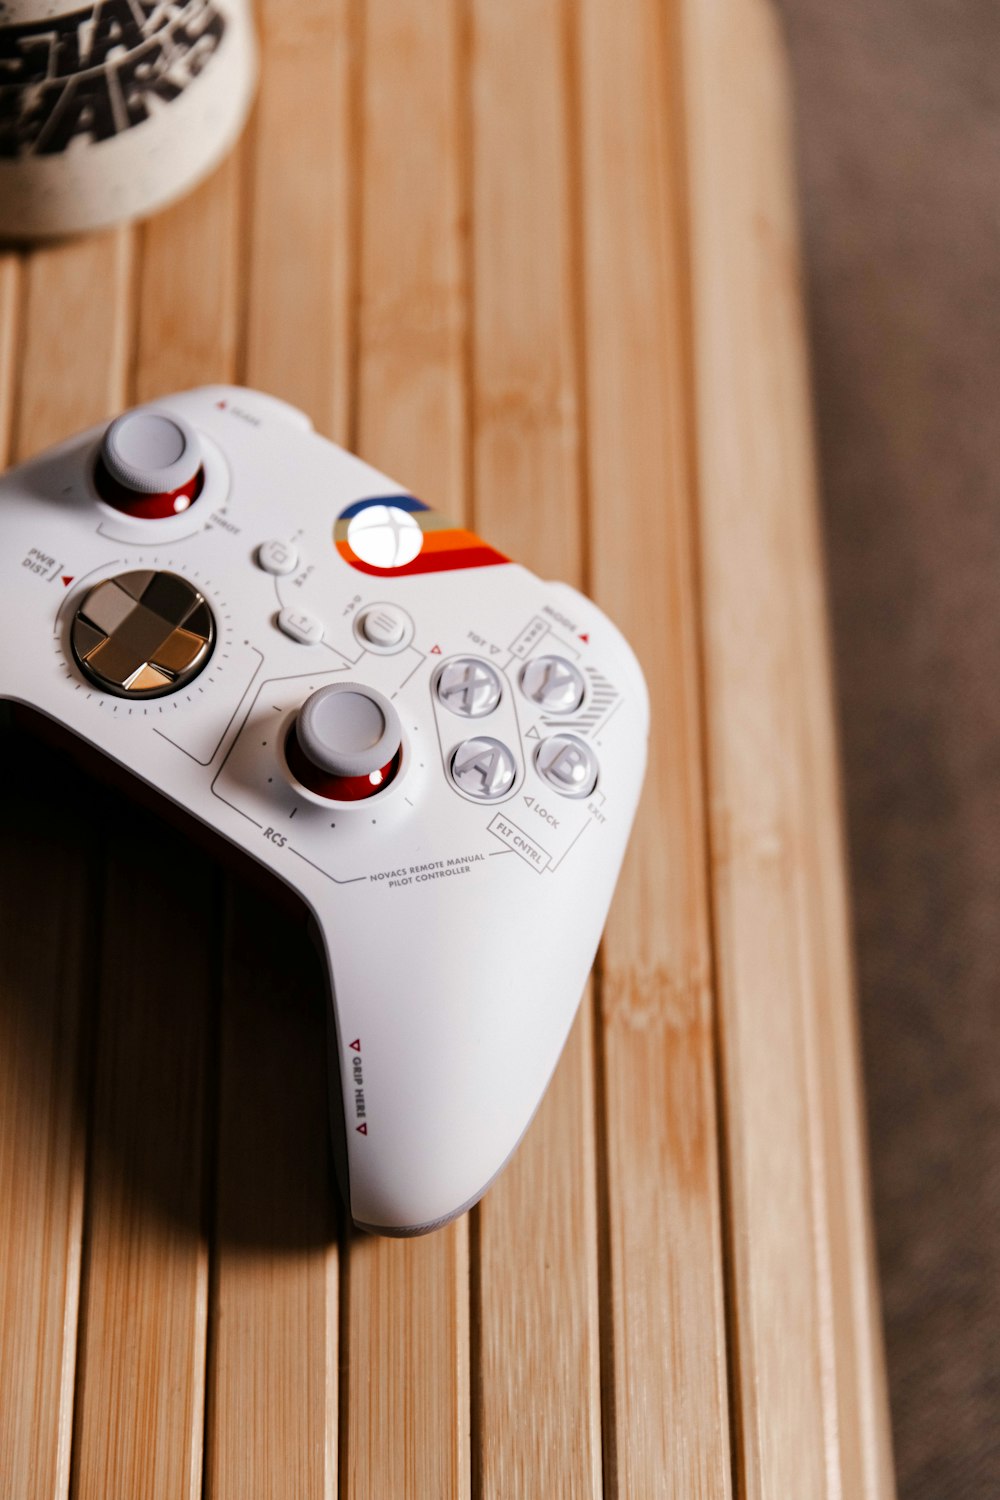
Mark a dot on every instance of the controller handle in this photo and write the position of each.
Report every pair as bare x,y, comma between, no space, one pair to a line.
442,1049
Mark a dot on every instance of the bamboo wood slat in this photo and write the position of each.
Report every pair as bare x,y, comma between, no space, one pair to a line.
538,260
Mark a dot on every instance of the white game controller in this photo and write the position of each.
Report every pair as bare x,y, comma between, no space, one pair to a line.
438,752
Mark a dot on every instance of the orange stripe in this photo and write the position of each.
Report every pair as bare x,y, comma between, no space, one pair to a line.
451,541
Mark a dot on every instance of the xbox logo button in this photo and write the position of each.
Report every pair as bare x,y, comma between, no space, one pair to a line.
385,536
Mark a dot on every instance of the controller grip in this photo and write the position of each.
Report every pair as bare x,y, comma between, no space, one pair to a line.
445,1036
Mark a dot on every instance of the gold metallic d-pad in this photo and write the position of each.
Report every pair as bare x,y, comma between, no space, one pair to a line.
143,634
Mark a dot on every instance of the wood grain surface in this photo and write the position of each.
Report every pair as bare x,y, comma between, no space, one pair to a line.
537,259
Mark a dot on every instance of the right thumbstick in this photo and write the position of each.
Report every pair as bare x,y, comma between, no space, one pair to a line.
345,743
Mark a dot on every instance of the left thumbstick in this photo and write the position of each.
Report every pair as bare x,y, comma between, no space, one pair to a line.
150,465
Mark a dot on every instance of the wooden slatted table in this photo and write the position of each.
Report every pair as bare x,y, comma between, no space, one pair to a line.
537,258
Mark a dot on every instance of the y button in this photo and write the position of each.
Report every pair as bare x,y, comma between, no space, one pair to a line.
553,683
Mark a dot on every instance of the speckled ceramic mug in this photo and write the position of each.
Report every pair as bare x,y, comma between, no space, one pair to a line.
110,108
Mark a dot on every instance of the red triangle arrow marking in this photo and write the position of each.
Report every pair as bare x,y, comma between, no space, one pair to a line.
435,651
585,638
67,579
221,405
363,1129
356,1045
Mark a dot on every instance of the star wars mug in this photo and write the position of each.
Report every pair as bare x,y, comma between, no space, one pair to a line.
111,108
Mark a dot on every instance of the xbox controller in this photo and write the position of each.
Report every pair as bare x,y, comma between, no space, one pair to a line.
438,752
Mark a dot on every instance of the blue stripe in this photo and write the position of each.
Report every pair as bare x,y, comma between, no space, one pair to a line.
403,502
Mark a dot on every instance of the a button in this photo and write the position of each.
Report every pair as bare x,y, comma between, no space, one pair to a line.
483,768
383,626
143,634
567,764
277,557
300,626
469,687
554,683
150,465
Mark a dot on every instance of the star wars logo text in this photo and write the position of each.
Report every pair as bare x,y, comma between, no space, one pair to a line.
95,72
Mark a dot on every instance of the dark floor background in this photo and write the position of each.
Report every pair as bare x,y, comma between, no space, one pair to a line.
899,153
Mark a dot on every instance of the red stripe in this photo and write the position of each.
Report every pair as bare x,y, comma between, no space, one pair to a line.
428,561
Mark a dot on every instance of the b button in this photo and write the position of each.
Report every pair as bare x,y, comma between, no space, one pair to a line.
568,764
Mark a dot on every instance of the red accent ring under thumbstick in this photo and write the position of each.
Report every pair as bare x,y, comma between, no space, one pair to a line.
147,507
337,788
